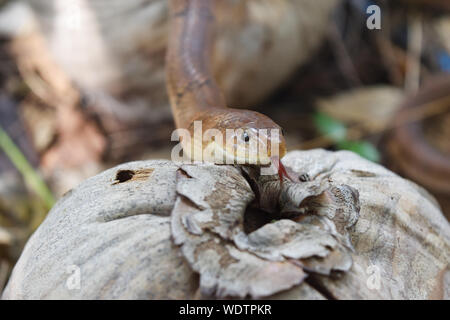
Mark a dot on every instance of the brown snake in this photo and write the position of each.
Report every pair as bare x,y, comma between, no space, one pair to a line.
195,95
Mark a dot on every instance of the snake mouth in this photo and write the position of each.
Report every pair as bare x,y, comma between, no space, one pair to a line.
218,154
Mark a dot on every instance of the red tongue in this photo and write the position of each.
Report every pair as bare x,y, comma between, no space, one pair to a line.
282,172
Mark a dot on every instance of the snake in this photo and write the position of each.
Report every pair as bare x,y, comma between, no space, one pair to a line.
195,96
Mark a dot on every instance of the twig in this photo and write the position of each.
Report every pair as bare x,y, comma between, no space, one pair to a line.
415,35
345,61
384,44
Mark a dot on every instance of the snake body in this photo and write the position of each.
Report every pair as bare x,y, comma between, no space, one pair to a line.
194,94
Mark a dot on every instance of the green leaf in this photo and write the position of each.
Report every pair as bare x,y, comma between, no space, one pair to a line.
330,127
364,148
31,177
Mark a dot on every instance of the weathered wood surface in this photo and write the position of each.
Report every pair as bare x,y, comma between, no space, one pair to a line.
156,229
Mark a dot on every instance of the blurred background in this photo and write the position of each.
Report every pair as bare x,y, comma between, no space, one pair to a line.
82,89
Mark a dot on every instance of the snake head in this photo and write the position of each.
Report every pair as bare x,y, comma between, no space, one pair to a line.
238,136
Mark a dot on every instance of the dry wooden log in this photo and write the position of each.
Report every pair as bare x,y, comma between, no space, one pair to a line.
158,229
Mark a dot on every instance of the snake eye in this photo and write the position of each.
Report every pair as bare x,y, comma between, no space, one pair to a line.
245,136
